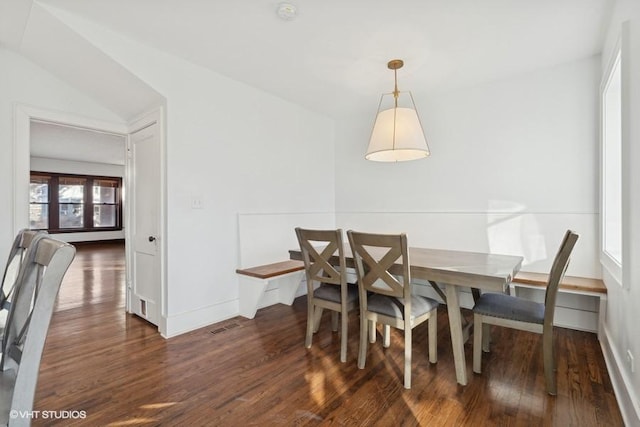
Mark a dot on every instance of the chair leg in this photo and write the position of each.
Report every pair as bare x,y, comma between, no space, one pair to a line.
476,294
334,321
372,331
549,363
478,327
486,337
310,325
554,355
316,319
362,350
386,336
433,337
407,355
344,318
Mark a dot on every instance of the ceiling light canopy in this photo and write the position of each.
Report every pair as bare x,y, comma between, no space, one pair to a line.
397,134
287,11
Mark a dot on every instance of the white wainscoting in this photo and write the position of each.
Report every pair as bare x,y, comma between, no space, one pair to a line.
265,238
535,236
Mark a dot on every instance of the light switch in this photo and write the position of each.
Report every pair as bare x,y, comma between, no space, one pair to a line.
196,203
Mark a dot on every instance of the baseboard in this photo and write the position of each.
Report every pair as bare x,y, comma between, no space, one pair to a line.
181,323
627,400
178,324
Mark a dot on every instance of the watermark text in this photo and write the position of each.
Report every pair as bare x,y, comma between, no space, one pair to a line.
48,415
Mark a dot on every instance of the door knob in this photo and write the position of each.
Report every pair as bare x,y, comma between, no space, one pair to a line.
152,238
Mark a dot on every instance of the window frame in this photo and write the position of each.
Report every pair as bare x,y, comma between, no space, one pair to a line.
117,203
87,203
612,265
46,178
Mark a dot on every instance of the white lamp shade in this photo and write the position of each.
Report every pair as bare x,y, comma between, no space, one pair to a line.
397,136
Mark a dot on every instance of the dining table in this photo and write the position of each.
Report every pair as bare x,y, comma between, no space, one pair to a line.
455,270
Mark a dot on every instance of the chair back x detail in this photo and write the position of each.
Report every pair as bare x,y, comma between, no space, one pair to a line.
317,258
375,272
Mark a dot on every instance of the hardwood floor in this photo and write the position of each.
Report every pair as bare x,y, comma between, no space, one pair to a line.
118,369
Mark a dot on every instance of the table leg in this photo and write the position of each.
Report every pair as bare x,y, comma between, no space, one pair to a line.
457,340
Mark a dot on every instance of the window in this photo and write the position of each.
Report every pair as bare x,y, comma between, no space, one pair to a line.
39,202
611,104
71,202
105,203
75,203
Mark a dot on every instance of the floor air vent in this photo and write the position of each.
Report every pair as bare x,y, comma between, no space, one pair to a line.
224,328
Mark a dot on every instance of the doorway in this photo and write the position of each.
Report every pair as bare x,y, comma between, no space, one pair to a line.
28,118
76,182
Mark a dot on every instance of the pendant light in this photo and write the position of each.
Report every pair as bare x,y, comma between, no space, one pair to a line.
397,133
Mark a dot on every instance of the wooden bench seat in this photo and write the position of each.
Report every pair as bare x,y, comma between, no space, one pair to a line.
268,271
582,285
570,285
257,284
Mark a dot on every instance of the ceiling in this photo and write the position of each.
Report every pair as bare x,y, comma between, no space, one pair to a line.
332,57
61,142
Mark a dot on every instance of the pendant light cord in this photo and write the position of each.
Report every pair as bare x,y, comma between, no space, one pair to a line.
395,90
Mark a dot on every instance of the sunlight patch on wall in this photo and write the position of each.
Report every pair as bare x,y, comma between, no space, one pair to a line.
511,231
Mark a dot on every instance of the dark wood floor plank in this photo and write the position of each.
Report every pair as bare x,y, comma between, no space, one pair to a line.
119,370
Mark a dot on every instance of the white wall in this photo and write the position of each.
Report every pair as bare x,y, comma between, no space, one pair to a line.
513,165
22,82
247,152
42,164
621,330
238,150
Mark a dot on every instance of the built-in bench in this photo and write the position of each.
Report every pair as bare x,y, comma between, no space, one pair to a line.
258,283
570,285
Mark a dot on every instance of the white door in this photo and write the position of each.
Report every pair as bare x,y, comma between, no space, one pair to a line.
145,252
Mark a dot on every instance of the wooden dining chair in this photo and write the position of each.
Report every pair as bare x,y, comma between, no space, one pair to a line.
384,282
45,264
519,313
325,265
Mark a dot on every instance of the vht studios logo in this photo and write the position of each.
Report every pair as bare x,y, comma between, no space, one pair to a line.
48,415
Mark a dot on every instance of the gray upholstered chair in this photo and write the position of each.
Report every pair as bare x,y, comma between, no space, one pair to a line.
320,251
43,268
518,313
21,243
384,281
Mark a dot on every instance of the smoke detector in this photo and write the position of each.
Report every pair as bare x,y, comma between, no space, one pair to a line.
287,11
